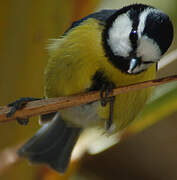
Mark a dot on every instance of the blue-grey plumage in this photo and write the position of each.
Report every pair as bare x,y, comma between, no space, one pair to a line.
52,144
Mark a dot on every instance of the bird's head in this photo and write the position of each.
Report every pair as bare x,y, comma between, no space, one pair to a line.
136,36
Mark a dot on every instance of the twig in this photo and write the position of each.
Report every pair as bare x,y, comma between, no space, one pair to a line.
45,106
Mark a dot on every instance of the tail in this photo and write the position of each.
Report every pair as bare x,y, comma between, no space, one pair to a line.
52,144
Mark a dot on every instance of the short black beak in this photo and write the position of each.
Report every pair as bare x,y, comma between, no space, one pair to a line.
133,63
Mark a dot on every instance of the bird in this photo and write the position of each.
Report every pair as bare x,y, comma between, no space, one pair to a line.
106,49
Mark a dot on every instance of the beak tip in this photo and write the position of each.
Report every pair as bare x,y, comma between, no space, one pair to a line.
129,71
133,64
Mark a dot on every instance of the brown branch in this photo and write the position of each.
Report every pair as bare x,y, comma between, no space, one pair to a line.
9,157
45,106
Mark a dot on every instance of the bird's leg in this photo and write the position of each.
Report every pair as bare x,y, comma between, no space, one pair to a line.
111,110
19,104
104,93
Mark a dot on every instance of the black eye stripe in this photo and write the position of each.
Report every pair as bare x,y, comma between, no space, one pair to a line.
133,38
134,16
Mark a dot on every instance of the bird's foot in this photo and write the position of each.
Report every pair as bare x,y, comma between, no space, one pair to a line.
19,104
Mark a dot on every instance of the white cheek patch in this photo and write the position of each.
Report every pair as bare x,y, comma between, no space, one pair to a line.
118,39
148,50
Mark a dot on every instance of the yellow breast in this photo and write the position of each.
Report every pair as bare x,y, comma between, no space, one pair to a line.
76,57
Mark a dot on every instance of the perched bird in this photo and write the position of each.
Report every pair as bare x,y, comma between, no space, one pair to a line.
106,49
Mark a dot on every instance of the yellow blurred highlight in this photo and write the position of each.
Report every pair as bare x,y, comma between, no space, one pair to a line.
155,111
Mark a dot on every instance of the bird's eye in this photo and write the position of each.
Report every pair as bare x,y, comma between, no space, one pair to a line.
133,36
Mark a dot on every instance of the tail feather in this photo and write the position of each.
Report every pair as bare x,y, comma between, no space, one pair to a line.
52,144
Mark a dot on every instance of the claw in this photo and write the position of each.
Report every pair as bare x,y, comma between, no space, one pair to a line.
104,93
19,104
23,122
12,111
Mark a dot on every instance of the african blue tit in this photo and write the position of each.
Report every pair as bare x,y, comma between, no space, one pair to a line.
106,49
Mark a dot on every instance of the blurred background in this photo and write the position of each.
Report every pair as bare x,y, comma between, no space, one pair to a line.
144,151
